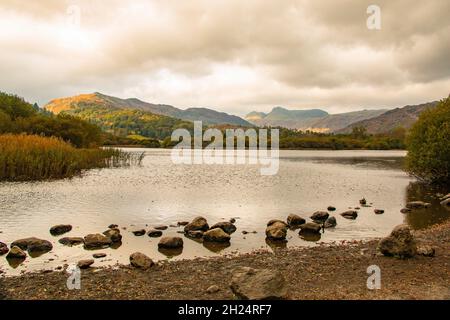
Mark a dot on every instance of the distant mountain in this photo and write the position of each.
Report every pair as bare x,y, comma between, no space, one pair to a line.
313,119
403,117
208,116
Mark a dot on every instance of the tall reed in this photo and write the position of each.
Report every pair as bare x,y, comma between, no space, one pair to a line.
31,157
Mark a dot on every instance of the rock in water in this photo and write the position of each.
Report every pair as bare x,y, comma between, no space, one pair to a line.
258,284
84,264
113,226
160,227
16,253
446,203
198,223
320,216
99,255
363,202
60,229
33,245
153,233
350,214
277,231
426,250
310,227
417,205
96,241
378,211
228,227
405,210
331,208
3,248
139,232
295,220
170,243
141,261
400,243
216,235
71,241
113,234
195,234
330,223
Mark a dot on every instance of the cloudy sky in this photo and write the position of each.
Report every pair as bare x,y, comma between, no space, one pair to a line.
234,56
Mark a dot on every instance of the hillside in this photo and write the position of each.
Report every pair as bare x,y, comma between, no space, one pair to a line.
314,119
93,100
403,117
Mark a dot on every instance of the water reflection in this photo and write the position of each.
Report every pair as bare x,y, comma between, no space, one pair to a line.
276,244
436,213
309,236
170,253
216,247
15,262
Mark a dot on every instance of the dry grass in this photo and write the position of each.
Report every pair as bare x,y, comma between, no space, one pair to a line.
31,157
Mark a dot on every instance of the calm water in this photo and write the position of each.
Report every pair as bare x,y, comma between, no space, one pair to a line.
159,192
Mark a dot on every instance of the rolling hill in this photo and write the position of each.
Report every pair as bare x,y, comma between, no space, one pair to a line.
94,100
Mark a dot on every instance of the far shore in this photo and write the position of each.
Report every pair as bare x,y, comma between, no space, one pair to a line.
335,271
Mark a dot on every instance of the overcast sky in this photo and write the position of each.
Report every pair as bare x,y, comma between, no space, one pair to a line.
234,56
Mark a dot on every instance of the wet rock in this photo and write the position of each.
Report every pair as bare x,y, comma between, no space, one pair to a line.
405,210
417,205
139,232
273,221
160,227
310,227
445,197
258,284
277,230
426,250
350,214
84,264
199,223
60,229
363,202
330,223
99,255
331,208
170,243
445,203
320,216
153,233
97,241
113,234
378,211
213,289
295,220
182,223
113,226
216,235
71,241
16,253
197,234
228,227
33,245
3,248
400,243
141,261
232,220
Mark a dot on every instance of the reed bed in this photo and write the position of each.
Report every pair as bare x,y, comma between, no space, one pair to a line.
31,157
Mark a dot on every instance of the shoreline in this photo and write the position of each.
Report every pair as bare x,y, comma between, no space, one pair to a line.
328,271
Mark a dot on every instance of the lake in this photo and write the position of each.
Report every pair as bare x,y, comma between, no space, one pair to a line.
160,192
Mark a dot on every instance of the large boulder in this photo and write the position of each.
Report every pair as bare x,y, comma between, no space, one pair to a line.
320,216
33,245
199,223
330,223
140,260
60,229
277,231
3,248
16,253
310,227
258,284
97,241
226,226
295,220
216,235
113,234
71,241
170,243
417,205
350,214
400,243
